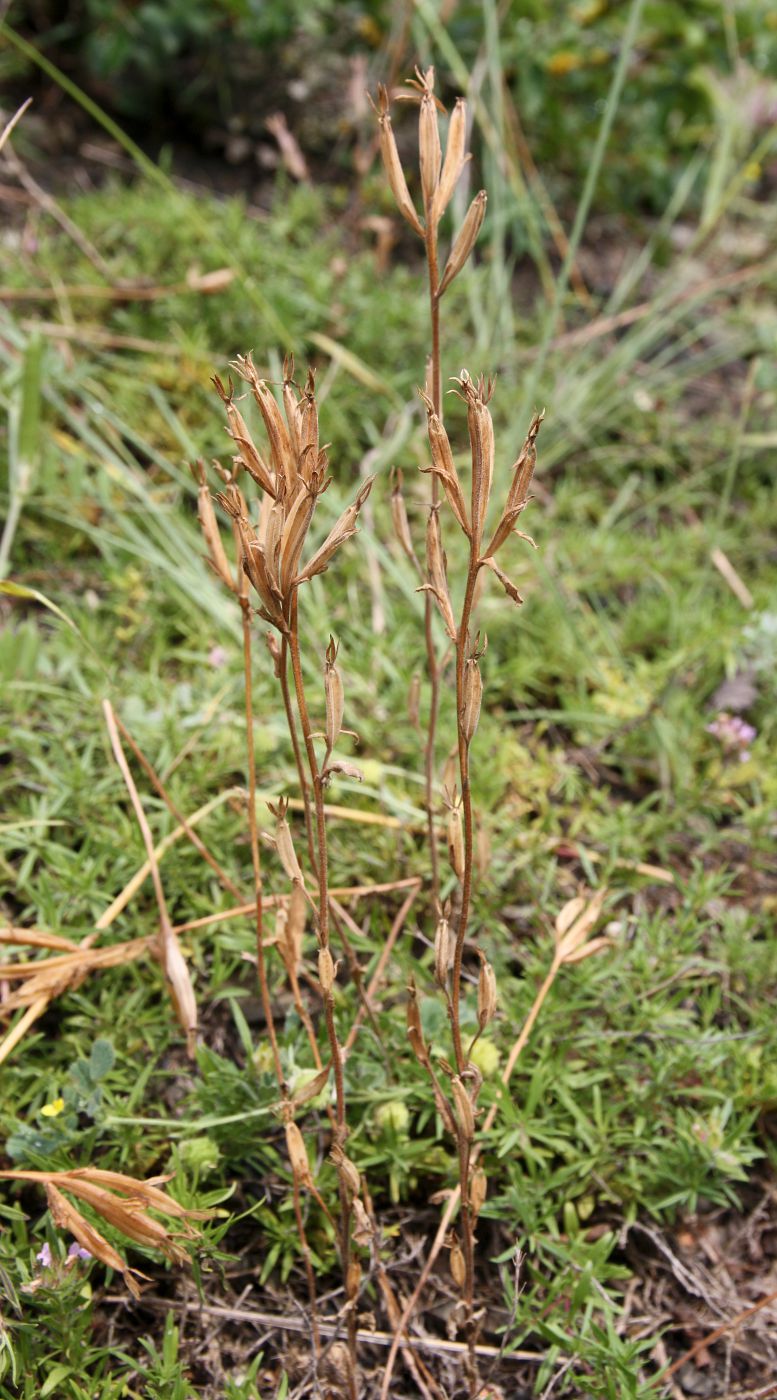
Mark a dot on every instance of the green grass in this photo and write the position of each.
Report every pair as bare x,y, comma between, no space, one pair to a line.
648,1086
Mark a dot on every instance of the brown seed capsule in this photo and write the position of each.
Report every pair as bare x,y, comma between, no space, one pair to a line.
294,534
443,465
472,695
478,1190
210,529
353,1278
414,1032
298,1156
456,840
309,430
285,845
281,453
442,952
399,515
344,528
346,1170
326,971
455,157
458,1267
395,173
362,1231
518,495
481,436
486,993
464,1110
507,584
465,240
334,695
429,148
438,578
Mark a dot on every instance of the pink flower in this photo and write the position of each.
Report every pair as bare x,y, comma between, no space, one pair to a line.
734,733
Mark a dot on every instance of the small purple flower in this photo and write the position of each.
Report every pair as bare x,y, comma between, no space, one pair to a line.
217,657
44,1256
734,733
77,1252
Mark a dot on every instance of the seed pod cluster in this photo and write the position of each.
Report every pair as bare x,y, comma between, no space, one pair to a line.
471,517
438,177
292,478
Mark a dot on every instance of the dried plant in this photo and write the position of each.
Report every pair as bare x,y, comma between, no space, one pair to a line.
122,1202
438,179
291,476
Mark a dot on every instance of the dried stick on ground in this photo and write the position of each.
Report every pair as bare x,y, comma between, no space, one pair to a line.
173,962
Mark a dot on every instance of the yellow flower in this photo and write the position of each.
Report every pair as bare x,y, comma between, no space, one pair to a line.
53,1109
562,62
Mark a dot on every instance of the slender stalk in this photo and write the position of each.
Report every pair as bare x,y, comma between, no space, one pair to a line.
432,663
253,833
323,943
283,677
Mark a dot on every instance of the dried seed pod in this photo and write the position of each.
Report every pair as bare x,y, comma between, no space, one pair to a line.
298,1157
210,529
326,971
291,931
442,951
292,409
294,534
309,430
443,464
455,835
438,578
465,240
507,584
429,149
334,695
486,993
567,915
285,845
575,936
346,1170
249,457
458,1267
455,158
399,515
463,1106
363,1232
393,166
472,695
342,531
481,436
353,1277
518,495
414,1032
179,981
281,453
478,1190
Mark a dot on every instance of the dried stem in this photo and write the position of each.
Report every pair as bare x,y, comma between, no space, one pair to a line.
322,931
261,967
